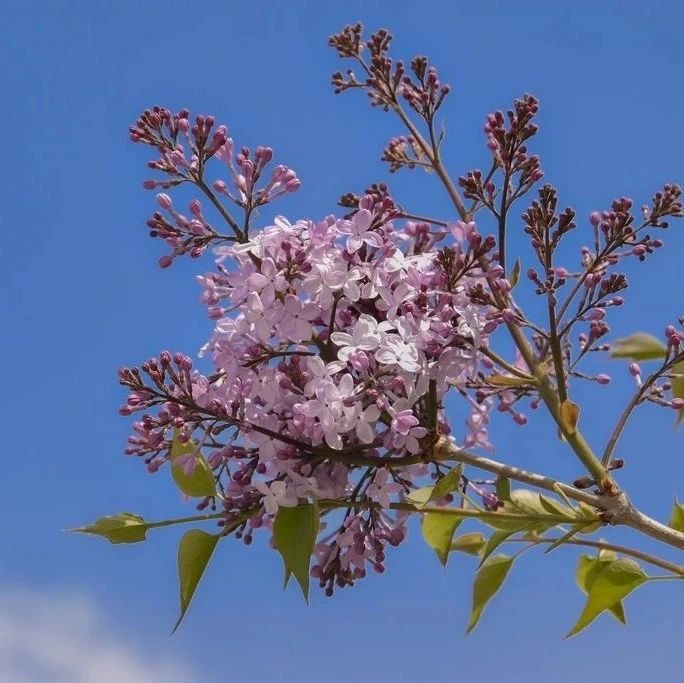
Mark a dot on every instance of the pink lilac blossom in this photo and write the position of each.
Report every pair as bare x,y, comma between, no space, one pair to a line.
331,338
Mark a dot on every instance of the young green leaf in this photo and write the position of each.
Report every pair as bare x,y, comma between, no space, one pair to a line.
294,534
428,494
503,489
488,581
420,497
122,528
573,531
613,582
448,483
677,519
515,274
496,539
587,570
557,488
525,501
639,346
194,552
555,507
508,381
438,532
471,543
196,478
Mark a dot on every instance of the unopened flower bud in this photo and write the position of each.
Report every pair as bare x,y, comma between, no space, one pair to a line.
164,201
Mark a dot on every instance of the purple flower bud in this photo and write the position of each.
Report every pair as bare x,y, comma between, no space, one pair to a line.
603,378
359,361
164,201
595,218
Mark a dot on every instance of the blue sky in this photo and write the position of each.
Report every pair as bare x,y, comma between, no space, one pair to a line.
81,295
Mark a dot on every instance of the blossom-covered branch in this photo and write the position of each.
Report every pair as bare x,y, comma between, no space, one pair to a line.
318,409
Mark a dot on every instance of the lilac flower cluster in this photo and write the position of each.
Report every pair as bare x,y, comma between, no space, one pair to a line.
335,343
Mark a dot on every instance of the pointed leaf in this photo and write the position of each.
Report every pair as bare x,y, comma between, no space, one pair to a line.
200,482
587,570
194,552
573,531
420,497
122,528
524,500
677,519
294,534
639,346
555,507
488,581
438,532
471,543
515,274
503,489
496,539
613,582
508,381
561,493
500,521
448,483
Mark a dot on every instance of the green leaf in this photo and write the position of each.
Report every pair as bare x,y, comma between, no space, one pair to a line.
294,534
488,581
496,539
639,346
122,528
501,522
420,497
573,531
507,381
194,552
438,532
613,582
534,503
677,519
471,543
587,570
526,501
515,274
678,386
200,483
555,507
557,488
503,489
428,494
448,483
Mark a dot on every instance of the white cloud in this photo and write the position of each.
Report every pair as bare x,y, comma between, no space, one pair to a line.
61,638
